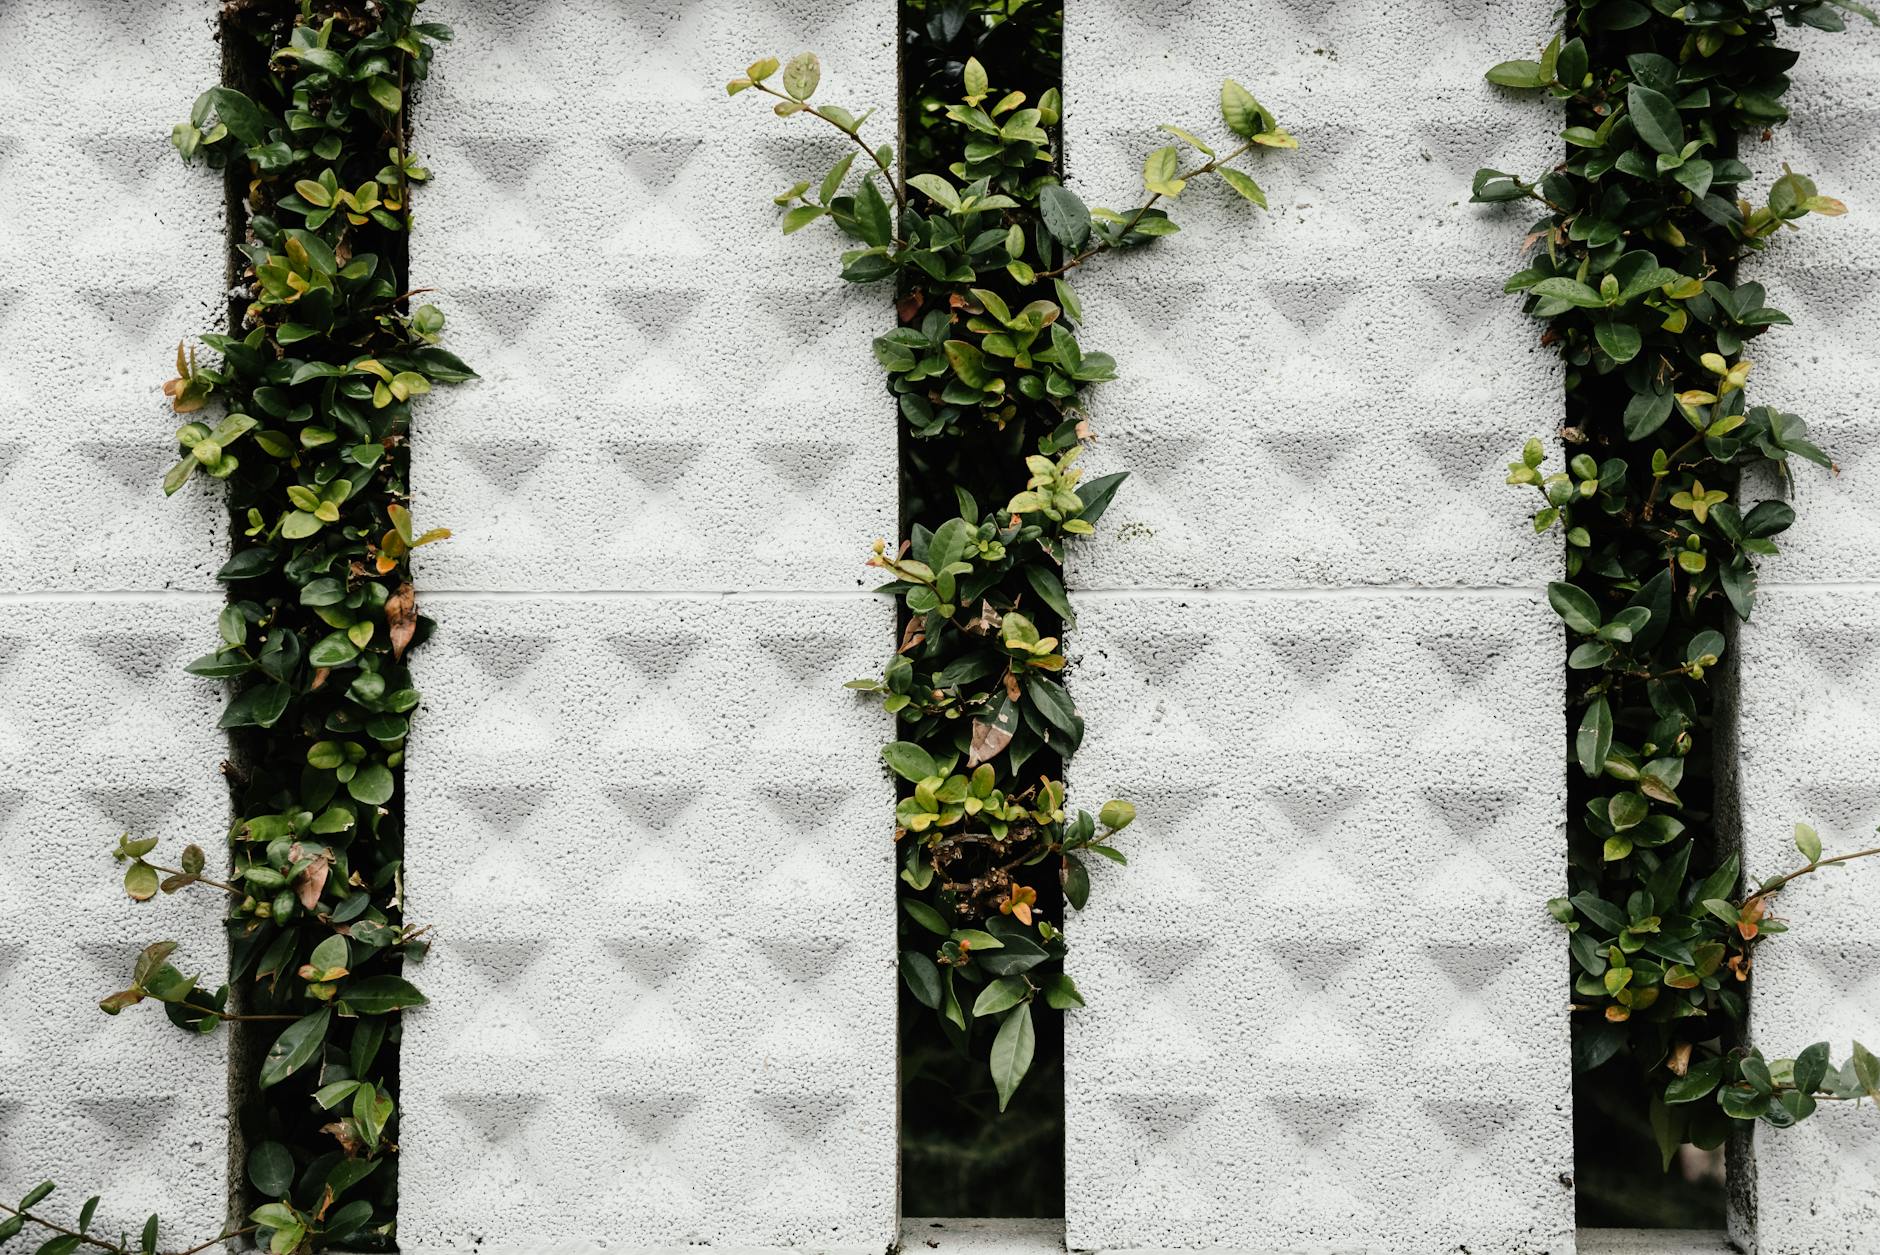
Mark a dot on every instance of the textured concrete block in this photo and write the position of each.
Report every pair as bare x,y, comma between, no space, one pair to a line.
113,252
1808,701
1808,735
102,733
658,856
1827,278
675,396
1325,1008
1326,392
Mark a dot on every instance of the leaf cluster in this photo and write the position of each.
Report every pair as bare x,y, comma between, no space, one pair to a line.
315,383
990,377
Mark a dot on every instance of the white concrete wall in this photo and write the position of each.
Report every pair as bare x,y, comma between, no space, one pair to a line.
646,819
112,252
1327,751
1809,692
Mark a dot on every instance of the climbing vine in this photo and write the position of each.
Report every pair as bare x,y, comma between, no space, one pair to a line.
1635,276
316,382
981,239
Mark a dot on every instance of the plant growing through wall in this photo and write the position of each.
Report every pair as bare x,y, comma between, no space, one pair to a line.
1634,273
316,383
981,242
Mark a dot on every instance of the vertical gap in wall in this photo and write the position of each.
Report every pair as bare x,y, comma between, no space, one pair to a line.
959,1155
1618,1179
249,31
242,62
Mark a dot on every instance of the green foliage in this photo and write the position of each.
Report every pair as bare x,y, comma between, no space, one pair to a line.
1635,277
987,368
80,1235
317,382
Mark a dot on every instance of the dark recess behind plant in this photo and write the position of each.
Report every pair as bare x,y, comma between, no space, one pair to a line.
1634,270
959,1155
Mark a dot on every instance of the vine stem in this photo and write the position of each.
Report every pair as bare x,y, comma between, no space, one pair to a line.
1776,884
113,1247
1207,167
230,1016
894,184
1659,482
177,871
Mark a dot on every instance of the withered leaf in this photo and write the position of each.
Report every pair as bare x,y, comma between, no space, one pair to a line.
347,1133
401,618
991,736
311,883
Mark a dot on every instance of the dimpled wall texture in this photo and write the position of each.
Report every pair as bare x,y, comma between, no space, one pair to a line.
100,730
644,815
1316,406
1809,686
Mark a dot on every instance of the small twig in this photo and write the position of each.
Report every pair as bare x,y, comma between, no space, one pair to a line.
894,185
1208,167
1658,482
1776,885
177,871
113,1247
232,1017
231,1234
60,1229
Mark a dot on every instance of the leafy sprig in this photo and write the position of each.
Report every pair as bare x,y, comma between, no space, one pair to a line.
316,384
978,242
1634,274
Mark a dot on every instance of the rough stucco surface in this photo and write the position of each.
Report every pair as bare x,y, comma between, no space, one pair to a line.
642,816
644,1032
100,730
649,828
675,396
1267,1061
1809,674
1313,395
1809,735
97,289
1319,400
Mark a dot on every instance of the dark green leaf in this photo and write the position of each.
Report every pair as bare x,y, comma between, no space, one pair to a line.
1655,118
1012,1051
295,1048
922,977
1065,216
378,995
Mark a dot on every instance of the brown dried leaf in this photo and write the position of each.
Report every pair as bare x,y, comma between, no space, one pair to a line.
401,618
1680,1061
118,1001
989,741
991,737
1747,919
347,1134
913,634
987,622
312,882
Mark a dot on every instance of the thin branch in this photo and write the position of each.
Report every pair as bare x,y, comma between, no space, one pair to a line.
113,1247
1207,167
232,1017
177,871
226,1237
60,1229
894,185
1776,885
